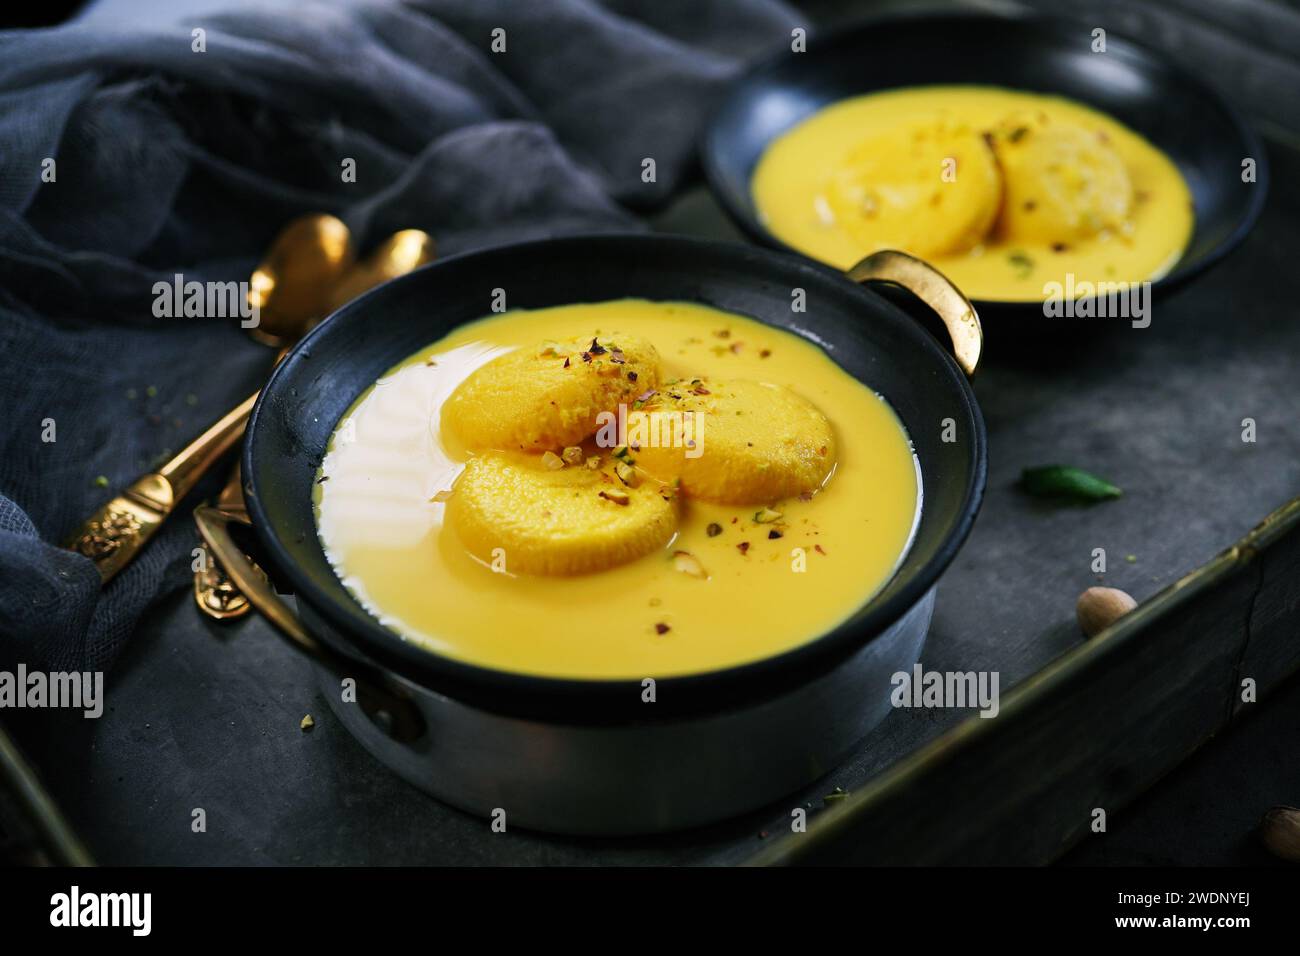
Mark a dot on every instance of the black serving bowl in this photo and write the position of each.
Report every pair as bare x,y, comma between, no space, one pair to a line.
475,736
1204,136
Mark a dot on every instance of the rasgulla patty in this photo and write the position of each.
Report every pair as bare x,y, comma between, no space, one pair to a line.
549,397
928,187
1063,182
752,443
571,520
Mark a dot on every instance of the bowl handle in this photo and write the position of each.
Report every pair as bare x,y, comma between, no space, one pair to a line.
383,700
934,289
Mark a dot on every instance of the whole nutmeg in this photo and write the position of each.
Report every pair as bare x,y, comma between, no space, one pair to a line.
1099,608
1280,832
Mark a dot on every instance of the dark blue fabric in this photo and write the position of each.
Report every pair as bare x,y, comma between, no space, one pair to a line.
170,160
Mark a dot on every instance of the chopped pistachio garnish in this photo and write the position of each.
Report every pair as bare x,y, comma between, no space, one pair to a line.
550,350
593,462
572,455
1022,263
101,481
687,563
307,723
627,474
616,496
766,516
552,461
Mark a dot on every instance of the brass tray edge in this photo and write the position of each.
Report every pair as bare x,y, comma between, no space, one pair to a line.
827,825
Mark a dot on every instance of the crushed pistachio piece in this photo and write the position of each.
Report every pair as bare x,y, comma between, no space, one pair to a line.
616,496
572,455
766,516
593,462
627,474
552,461
306,723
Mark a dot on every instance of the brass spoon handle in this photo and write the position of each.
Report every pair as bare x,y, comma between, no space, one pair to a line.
115,533
934,289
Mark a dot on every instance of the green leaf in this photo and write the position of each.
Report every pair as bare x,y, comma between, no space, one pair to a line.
1063,481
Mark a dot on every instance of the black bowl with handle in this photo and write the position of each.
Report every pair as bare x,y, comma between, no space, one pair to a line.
593,756
1162,100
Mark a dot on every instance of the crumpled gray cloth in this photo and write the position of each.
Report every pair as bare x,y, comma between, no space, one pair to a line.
169,160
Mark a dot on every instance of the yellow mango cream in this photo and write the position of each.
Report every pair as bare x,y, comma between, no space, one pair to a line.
1014,196
616,490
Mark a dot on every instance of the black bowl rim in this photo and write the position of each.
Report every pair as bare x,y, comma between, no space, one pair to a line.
707,146
572,699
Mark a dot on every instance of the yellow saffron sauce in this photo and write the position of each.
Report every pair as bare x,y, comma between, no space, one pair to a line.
383,490
1014,196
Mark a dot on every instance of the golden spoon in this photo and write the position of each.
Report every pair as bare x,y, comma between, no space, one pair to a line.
215,593
304,262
